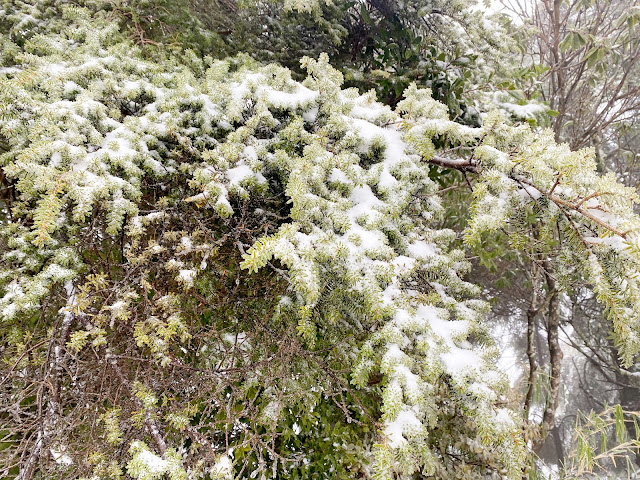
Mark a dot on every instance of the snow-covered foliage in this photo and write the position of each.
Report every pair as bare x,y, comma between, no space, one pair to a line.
327,196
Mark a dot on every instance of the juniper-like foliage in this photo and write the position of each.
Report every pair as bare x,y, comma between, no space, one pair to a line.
210,270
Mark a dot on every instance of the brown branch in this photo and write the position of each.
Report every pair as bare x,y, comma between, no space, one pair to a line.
455,164
571,206
53,379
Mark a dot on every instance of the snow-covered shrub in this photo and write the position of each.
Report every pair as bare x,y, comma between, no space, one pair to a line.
216,270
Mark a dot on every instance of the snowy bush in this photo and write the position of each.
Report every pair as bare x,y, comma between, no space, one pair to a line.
239,274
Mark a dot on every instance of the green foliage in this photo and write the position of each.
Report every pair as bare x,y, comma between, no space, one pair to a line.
602,443
380,45
144,465
151,182
258,264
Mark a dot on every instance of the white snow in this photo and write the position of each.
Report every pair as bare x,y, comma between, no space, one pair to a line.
364,198
403,264
338,175
393,354
412,381
238,174
69,87
155,465
301,97
156,249
421,249
525,112
235,338
460,360
528,193
186,277
8,70
56,159
222,467
153,216
389,296
404,423
60,457
503,415
55,69
118,309
310,115
386,180
187,244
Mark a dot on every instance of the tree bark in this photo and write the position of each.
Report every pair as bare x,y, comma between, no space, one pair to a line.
53,379
532,312
555,361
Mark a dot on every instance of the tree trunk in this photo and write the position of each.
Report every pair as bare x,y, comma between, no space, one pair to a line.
53,379
555,360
